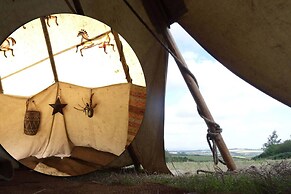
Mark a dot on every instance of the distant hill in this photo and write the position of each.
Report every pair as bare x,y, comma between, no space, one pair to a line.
235,152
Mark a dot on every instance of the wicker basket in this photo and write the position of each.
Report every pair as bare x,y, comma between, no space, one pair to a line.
31,122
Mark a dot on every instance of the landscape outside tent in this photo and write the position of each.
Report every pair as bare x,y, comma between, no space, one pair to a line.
246,115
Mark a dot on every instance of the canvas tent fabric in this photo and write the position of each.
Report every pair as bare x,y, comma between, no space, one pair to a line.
107,131
251,38
123,104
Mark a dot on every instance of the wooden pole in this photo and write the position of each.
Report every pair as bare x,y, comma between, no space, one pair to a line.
193,87
78,7
122,57
1,88
130,149
49,48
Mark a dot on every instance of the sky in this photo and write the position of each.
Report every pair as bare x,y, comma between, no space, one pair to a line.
246,115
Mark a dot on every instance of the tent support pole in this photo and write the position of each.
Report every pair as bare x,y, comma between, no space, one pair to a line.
78,7
1,88
133,156
193,87
49,48
122,57
136,163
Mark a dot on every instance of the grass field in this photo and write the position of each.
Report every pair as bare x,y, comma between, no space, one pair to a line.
205,162
252,176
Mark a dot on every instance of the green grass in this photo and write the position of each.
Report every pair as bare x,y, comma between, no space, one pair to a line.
252,177
270,175
206,163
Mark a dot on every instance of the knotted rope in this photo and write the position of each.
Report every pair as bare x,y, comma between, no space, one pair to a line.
211,136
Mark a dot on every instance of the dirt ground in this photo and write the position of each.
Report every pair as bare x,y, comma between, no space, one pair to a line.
29,181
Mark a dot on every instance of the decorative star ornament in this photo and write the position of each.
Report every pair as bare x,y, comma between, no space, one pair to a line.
58,106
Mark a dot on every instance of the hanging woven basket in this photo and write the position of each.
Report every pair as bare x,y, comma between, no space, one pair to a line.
31,122
31,119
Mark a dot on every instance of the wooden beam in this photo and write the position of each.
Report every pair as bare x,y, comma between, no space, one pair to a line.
193,87
78,7
122,57
1,88
49,48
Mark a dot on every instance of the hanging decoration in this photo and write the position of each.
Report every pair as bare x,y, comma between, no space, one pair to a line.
88,109
102,40
7,44
51,17
58,106
31,119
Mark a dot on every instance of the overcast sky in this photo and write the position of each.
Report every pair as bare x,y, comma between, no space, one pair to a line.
246,115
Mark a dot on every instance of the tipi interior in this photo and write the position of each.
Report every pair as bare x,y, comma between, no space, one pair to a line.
81,99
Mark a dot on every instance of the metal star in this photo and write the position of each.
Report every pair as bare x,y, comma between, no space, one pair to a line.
58,107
